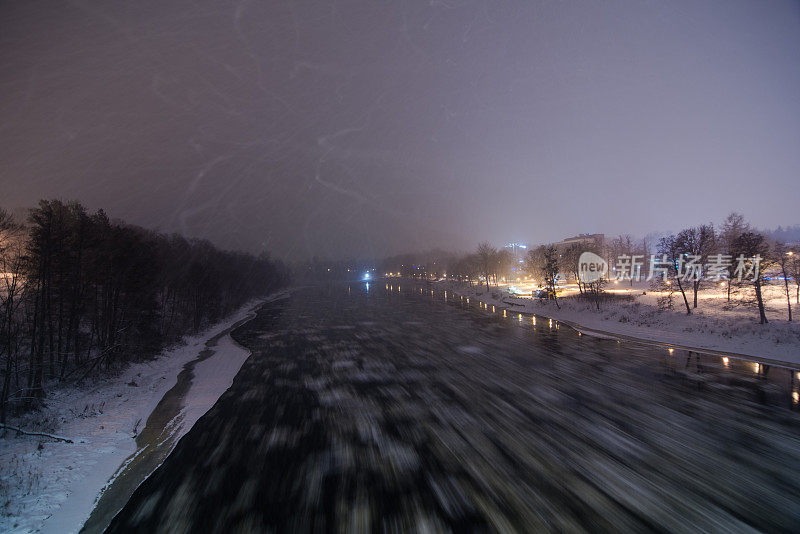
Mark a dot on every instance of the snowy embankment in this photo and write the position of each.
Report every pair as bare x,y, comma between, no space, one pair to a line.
715,325
50,486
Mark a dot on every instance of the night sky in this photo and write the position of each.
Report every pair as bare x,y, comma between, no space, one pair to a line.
372,127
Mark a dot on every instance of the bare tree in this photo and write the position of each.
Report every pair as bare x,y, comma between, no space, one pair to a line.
569,264
486,256
534,262
594,290
622,245
503,262
783,256
644,251
733,226
11,267
550,269
464,268
695,244
670,248
754,250
794,268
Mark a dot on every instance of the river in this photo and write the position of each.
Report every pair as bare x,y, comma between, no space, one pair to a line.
386,407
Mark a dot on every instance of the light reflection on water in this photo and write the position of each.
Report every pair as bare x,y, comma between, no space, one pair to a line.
776,374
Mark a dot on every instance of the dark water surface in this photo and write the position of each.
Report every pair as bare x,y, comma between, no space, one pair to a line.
408,410
153,443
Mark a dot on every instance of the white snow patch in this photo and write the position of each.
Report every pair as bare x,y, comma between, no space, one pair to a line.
48,486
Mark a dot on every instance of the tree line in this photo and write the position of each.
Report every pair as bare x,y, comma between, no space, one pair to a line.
81,293
779,263
765,260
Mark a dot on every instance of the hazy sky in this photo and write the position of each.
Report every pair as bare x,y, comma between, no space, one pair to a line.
374,127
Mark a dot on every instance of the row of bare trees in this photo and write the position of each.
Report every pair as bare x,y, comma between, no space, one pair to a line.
487,263
734,238
765,259
81,293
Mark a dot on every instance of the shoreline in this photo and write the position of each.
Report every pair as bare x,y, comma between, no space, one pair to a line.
594,331
164,428
58,487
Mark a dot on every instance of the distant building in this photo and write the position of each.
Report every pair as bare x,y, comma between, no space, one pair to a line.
593,241
518,250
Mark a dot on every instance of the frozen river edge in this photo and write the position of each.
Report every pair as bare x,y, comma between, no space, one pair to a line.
121,429
744,340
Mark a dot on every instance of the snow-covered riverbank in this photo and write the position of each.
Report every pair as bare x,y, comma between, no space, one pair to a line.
712,326
49,486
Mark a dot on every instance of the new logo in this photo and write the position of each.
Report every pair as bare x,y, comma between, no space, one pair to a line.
591,267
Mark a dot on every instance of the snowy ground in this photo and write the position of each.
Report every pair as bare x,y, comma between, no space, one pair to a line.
713,325
48,486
